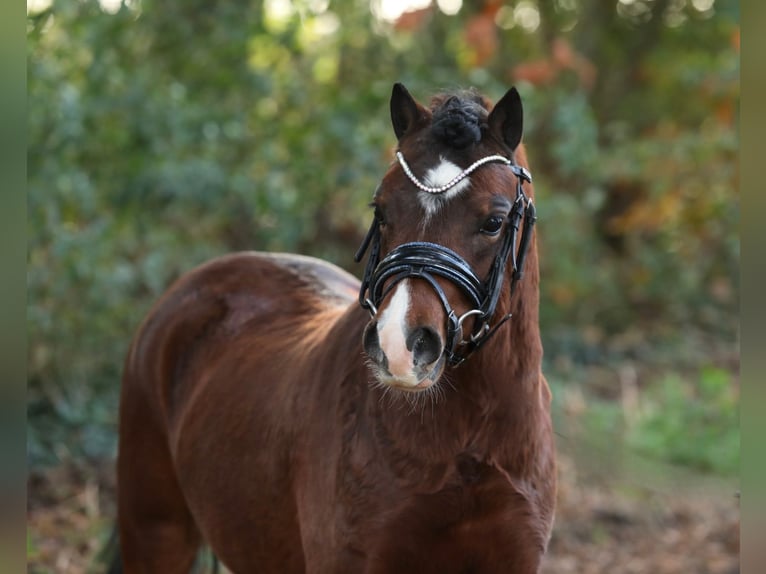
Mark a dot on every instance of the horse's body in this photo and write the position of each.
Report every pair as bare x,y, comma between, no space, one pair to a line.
251,422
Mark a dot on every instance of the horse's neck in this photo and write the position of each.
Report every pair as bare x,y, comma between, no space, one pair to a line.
507,367
490,406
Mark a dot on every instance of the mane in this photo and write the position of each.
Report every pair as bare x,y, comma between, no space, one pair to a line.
458,117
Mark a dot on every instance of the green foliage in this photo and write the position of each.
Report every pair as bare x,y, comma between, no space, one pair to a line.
689,420
166,133
696,425
31,550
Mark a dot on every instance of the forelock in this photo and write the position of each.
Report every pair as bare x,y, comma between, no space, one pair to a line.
458,117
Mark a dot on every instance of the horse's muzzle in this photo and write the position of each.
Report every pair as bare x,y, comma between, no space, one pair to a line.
414,366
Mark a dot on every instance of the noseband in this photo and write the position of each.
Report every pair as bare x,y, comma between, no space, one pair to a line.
423,260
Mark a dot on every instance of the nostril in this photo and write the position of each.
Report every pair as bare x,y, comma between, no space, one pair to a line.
371,344
425,344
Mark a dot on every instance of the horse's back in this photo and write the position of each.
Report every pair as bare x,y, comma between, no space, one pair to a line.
240,306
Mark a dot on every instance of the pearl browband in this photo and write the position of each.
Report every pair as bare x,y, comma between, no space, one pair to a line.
517,170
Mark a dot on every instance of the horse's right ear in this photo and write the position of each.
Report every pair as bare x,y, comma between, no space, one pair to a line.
405,111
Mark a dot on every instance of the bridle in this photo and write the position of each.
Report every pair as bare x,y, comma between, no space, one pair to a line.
424,260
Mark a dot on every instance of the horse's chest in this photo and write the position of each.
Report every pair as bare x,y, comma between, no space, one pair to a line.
478,522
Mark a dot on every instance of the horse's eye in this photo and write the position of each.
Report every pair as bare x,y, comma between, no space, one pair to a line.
493,225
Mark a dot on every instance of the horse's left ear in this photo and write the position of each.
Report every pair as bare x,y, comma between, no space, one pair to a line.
506,120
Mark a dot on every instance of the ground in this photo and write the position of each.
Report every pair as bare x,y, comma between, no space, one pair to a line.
682,524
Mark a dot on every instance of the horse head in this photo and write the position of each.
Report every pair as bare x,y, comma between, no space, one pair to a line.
451,228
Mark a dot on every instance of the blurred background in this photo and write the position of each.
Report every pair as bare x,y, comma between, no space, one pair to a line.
162,134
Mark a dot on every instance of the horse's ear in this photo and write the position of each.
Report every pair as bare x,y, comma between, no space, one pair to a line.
506,120
405,111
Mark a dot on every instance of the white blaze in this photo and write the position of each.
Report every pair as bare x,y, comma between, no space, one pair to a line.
392,329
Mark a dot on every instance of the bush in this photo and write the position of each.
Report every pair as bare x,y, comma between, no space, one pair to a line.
695,424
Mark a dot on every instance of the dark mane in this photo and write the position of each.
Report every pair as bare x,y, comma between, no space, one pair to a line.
458,117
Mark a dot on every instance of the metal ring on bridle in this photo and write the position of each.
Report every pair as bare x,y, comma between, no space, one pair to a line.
371,307
467,314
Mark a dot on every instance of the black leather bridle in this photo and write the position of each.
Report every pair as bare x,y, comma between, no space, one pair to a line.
426,261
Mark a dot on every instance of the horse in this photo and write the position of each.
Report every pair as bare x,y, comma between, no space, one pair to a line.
294,419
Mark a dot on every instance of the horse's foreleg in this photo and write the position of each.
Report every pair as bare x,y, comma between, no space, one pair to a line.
157,531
